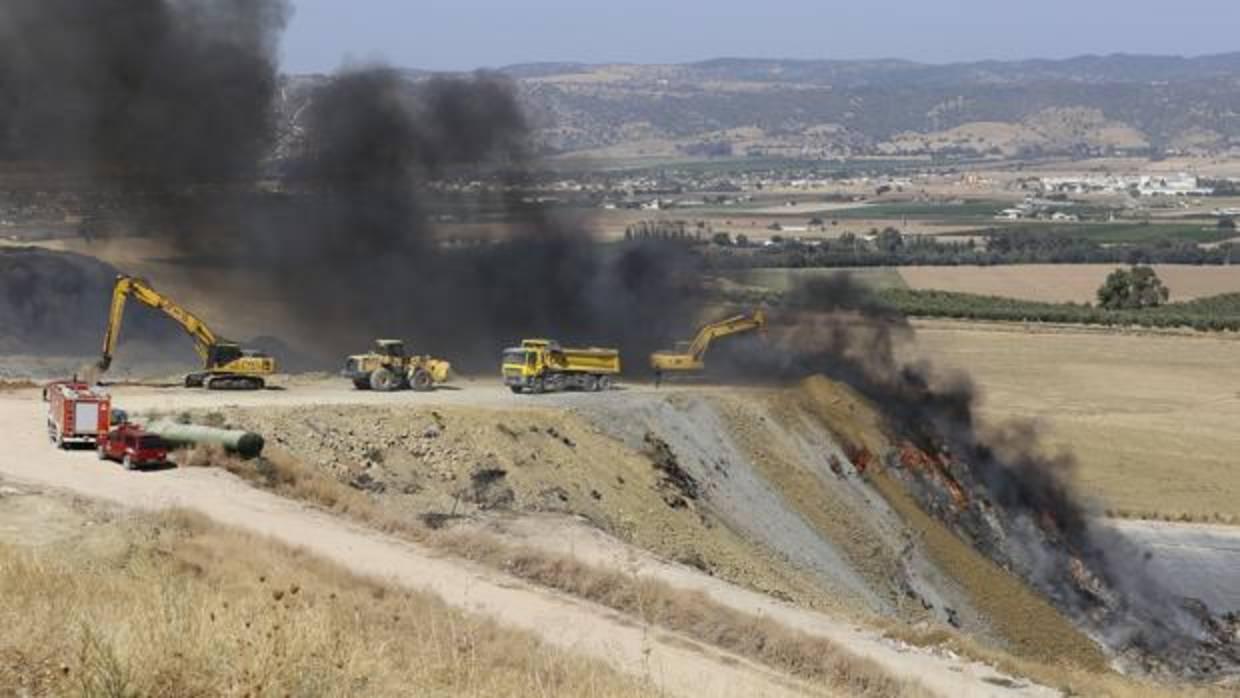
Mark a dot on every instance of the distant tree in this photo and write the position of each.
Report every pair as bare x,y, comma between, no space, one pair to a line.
1132,289
889,240
1227,224
723,239
742,240
775,226
816,222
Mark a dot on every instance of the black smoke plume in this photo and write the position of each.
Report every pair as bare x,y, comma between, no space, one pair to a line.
1022,513
152,94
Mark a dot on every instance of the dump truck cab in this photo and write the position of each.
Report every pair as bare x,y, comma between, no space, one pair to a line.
543,365
132,447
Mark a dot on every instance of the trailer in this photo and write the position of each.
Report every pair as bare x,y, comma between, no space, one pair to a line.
76,413
542,365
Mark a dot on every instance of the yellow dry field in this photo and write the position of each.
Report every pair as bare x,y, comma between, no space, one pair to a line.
1151,417
171,604
1062,283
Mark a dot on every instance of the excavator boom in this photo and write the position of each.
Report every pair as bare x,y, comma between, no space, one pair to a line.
692,358
222,360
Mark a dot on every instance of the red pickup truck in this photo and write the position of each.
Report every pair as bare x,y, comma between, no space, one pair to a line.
132,447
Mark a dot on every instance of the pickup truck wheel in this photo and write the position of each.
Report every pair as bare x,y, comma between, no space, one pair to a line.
384,380
103,455
127,462
421,380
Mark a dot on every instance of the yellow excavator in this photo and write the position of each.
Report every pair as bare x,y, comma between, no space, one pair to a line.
690,357
226,366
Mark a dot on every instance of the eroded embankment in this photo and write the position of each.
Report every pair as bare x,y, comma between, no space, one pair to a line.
752,486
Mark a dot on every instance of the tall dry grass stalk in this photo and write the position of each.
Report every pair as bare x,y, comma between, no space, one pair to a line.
173,605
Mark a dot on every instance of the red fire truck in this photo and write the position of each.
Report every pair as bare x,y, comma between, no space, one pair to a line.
76,414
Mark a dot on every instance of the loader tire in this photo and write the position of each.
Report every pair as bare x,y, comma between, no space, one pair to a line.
421,381
384,380
361,383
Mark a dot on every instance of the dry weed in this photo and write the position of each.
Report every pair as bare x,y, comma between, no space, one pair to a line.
183,607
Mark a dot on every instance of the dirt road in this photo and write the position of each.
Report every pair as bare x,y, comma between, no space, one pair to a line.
673,664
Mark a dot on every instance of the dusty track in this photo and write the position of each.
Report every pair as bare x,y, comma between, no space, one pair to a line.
671,663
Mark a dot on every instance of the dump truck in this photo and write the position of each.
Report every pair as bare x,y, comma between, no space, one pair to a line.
542,365
388,367
690,357
226,366
76,413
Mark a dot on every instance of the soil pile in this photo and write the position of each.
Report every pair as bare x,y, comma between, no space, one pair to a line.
57,304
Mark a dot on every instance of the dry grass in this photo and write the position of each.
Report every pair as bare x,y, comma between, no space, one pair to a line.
15,385
1031,626
1060,283
692,613
654,602
173,605
1150,418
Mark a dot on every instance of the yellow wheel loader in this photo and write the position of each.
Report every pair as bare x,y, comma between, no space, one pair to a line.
388,368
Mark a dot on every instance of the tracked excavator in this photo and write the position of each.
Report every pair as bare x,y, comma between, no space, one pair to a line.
226,366
690,357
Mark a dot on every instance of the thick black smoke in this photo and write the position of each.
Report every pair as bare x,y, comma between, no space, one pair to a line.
1023,512
357,237
150,93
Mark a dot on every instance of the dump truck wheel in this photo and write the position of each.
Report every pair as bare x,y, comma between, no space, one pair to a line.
384,380
592,384
516,389
421,380
361,383
605,383
537,386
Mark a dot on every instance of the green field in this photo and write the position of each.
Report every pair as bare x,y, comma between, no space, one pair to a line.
971,212
1125,232
783,280
1214,313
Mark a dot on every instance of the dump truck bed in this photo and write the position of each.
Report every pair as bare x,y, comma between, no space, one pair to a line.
590,360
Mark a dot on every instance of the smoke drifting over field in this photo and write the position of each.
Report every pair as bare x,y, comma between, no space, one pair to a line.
997,487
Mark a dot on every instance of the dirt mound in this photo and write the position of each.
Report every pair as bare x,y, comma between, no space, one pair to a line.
56,303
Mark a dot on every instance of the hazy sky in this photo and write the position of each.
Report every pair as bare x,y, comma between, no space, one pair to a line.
465,34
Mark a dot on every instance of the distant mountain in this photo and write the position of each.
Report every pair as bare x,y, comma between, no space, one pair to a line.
1088,105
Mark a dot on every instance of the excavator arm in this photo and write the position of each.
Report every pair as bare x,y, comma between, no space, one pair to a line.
127,287
691,356
723,328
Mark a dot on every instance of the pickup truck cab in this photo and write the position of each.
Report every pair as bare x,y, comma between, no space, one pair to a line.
132,447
